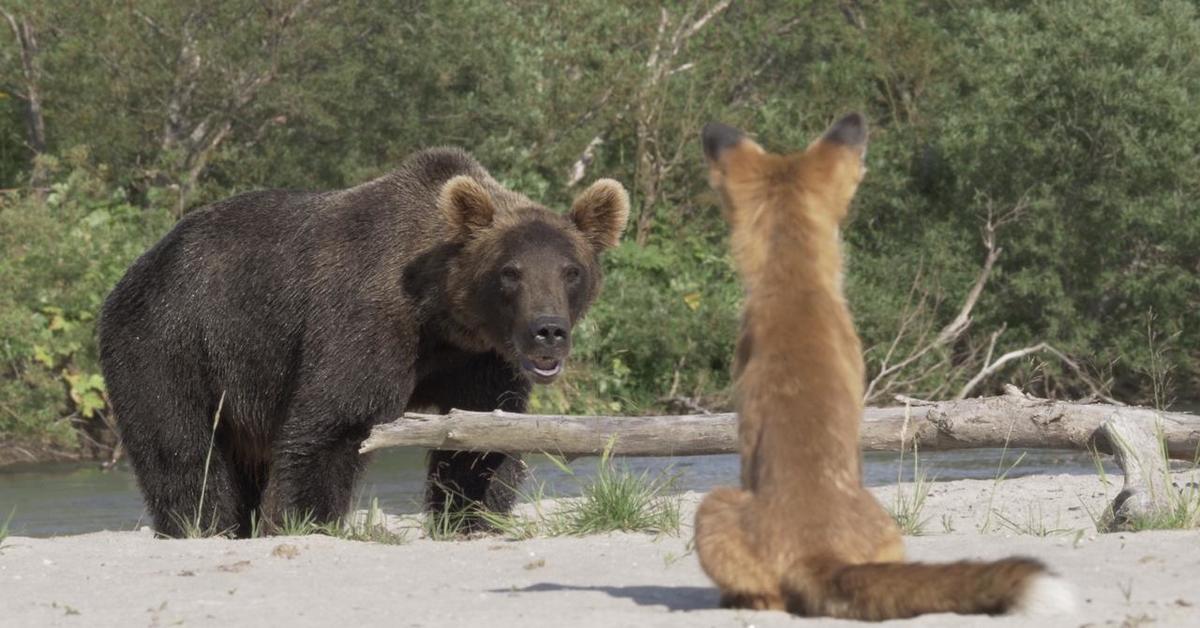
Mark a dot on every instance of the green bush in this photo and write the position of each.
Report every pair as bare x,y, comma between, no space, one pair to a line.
61,255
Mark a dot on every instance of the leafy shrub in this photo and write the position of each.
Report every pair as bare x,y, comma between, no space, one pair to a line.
62,254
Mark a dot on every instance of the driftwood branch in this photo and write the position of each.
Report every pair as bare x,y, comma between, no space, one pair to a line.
948,334
904,373
1147,485
1013,419
990,368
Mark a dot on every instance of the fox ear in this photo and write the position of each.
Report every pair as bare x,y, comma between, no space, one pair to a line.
721,145
849,131
717,138
466,205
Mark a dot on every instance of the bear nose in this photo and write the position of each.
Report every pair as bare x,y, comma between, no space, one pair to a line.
550,331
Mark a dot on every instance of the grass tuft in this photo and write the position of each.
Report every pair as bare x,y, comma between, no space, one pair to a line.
193,527
447,524
620,500
906,507
616,499
4,526
1183,513
369,526
294,523
517,527
212,441
1183,503
1035,523
1001,475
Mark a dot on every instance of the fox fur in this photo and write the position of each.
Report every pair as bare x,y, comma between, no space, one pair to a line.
802,534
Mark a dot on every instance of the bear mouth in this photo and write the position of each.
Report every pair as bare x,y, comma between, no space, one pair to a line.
542,370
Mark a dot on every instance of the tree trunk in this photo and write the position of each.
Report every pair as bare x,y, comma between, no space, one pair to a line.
35,122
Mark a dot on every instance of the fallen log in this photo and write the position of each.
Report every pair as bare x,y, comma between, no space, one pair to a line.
1146,490
1013,419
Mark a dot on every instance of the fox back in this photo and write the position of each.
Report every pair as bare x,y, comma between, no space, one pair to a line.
802,533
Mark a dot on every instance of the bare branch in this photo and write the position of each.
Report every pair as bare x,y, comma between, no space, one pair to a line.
948,334
651,161
683,68
35,121
698,25
990,369
198,137
887,378
579,168
663,19
962,321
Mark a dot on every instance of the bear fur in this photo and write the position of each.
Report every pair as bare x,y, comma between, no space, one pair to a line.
309,317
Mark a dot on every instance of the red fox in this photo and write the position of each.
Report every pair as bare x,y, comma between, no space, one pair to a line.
803,534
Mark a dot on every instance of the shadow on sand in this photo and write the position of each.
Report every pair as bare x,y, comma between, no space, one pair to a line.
674,598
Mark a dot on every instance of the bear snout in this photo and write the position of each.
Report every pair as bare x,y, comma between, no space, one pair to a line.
545,347
551,332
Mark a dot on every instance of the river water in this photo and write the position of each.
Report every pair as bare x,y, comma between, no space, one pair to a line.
60,498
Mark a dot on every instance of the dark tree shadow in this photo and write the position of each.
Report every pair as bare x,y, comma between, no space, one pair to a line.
674,598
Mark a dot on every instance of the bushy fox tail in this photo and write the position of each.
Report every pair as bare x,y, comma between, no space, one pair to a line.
881,591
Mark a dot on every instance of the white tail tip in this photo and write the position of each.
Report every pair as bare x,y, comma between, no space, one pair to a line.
1045,594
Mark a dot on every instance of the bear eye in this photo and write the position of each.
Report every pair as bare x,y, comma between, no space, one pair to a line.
510,274
572,274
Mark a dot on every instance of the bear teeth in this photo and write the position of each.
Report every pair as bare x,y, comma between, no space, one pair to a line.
548,372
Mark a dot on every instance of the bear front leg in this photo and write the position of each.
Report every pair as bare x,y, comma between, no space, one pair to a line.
462,483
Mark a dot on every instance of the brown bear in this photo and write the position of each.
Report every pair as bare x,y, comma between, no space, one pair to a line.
309,317
802,534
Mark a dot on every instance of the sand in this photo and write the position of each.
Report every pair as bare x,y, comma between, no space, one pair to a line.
613,580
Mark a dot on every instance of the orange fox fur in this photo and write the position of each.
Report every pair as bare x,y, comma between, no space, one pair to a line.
802,534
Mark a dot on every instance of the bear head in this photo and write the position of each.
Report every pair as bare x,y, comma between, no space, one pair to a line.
525,274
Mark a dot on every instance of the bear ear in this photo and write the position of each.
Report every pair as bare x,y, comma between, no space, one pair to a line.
466,205
600,213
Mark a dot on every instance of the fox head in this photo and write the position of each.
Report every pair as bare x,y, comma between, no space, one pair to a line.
803,196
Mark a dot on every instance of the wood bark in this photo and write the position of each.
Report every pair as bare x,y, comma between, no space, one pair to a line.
1013,419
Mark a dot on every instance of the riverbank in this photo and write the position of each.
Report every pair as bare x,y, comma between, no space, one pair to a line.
129,578
31,451
76,498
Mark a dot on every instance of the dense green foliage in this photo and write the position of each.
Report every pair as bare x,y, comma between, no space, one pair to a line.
1080,114
62,253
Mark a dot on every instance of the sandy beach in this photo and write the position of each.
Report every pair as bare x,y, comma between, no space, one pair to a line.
131,579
